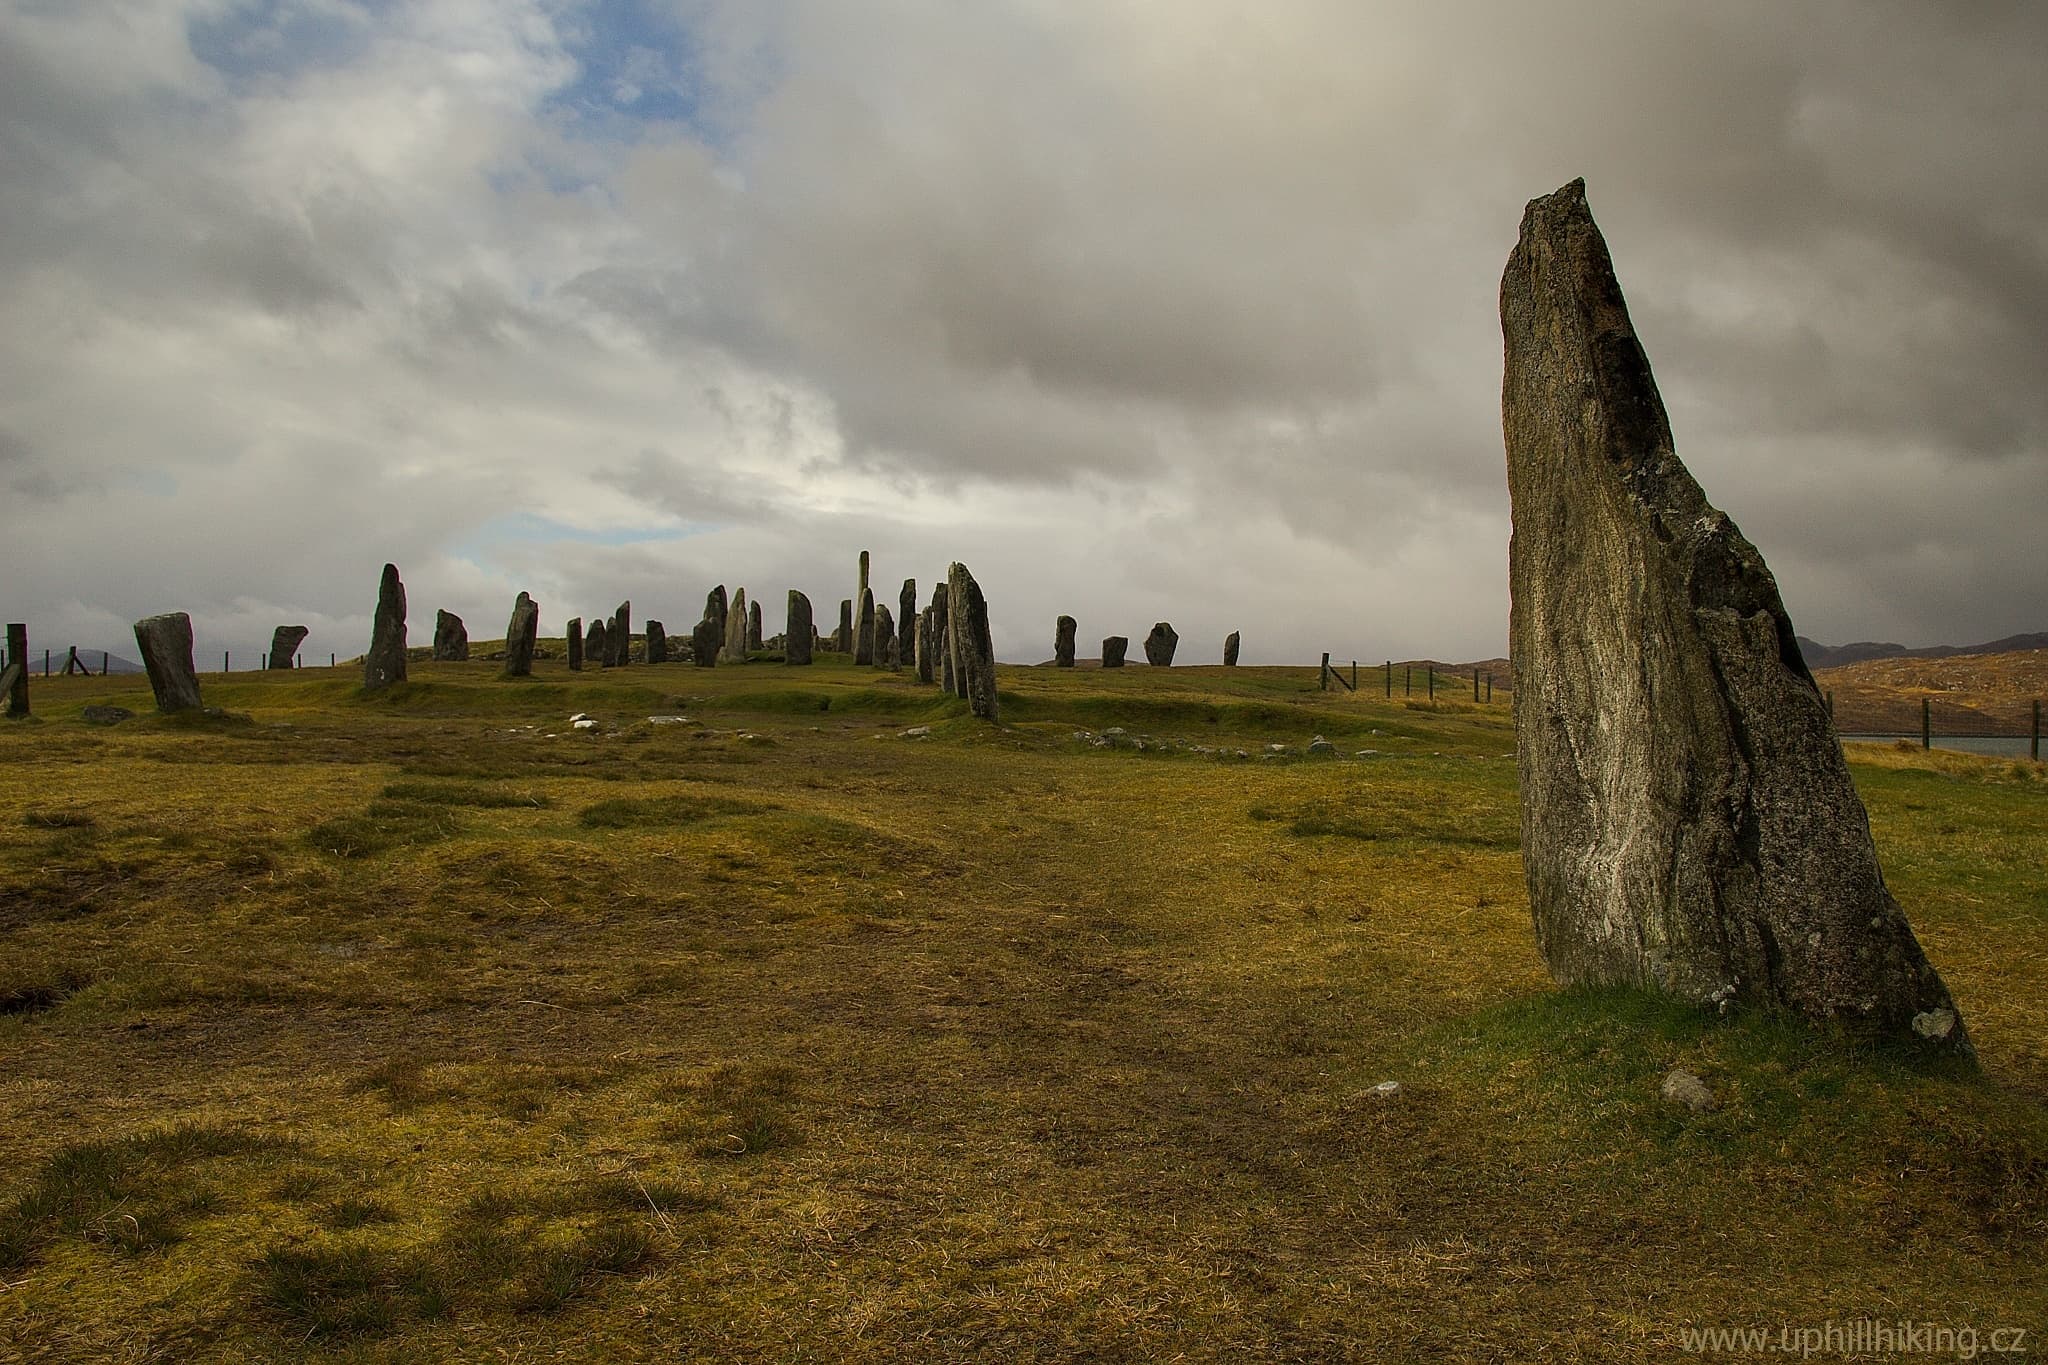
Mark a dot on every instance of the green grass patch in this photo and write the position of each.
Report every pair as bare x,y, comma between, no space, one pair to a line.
384,825
470,794
662,812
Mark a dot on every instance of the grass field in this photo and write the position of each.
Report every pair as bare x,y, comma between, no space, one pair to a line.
425,1026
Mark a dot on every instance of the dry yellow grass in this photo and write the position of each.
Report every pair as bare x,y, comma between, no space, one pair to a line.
782,1036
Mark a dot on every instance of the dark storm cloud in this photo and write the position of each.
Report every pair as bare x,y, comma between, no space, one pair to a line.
1181,312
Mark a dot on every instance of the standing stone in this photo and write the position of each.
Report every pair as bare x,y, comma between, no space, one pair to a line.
715,610
574,640
706,640
1160,644
799,633
1688,820
974,651
753,625
657,643
863,576
451,638
384,663
906,623
842,639
886,655
284,645
1230,650
920,654
16,672
166,645
520,633
594,642
864,626
1063,642
941,670
736,629
1113,647
618,637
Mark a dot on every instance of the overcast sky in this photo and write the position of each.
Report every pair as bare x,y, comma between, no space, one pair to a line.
1172,310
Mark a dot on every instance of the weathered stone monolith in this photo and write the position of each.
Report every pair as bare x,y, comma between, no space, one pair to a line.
842,638
864,626
753,625
384,662
885,638
1160,644
573,639
284,645
166,645
906,623
657,642
594,642
715,609
736,630
974,651
706,643
451,638
1113,647
799,631
863,585
942,640
16,672
1063,642
1688,821
618,637
520,633
1230,650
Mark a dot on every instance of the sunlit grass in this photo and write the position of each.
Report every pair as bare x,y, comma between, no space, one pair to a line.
427,1026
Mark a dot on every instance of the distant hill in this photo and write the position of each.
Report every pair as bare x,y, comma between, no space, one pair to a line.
1818,655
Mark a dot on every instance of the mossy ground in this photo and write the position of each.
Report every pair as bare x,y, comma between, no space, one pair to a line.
426,1027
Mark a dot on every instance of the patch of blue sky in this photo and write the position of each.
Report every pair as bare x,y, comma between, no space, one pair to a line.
641,72
524,528
257,40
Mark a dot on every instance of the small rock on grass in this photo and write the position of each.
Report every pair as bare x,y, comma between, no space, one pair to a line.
1681,1087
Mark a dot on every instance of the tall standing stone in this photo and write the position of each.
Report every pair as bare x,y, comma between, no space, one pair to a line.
284,645
594,643
1113,647
618,637
1688,821
16,671
573,639
166,646
942,637
736,629
715,609
1160,644
520,634
1230,650
906,623
974,651
842,639
1063,642
384,663
451,638
864,626
886,655
921,652
657,643
798,630
863,587
706,641
753,625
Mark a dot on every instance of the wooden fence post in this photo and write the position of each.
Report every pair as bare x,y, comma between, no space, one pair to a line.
1323,677
1354,675
1390,679
1432,682
1408,681
2037,730
1475,684
1926,725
